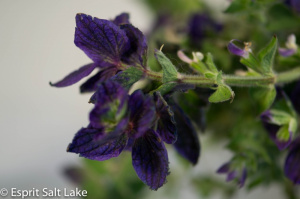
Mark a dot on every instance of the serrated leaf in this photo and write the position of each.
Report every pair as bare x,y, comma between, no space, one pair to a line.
223,93
128,77
252,62
169,70
267,54
210,63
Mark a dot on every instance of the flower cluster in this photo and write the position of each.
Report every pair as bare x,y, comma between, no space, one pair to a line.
139,122
144,120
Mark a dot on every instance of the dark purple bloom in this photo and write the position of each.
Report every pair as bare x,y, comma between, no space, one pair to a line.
272,129
239,174
200,26
294,4
235,50
119,122
295,97
292,162
291,47
150,159
166,126
112,45
187,143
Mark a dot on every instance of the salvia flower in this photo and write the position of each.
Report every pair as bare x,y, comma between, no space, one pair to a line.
111,45
197,56
294,4
292,162
291,47
119,121
242,52
273,128
239,174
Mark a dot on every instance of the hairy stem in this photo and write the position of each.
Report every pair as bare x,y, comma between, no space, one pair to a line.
233,80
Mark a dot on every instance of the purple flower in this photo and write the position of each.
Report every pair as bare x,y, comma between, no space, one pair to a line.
235,50
200,26
273,129
291,47
112,45
239,174
187,144
294,4
166,125
292,162
295,97
119,121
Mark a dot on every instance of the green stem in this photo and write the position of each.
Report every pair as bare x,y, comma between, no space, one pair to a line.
289,76
233,80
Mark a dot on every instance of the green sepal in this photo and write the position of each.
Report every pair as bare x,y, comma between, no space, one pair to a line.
199,67
210,63
128,77
210,75
164,88
279,117
169,70
251,62
263,97
283,133
223,93
266,56
293,125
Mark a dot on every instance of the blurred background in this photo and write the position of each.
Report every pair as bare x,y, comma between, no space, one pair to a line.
38,121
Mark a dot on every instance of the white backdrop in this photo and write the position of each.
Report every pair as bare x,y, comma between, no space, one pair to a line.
37,122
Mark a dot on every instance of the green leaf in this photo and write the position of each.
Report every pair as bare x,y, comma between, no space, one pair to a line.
223,93
210,63
267,54
263,97
238,6
293,125
252,62
128,77
169,70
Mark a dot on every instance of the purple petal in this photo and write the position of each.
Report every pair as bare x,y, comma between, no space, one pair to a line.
110,98
138,45
142,112
87,142
121,19
102,40
150,160
187,143
233,49
166,126
296,5
231,175
285,52
200,25
295,97
224,168
243,178
266,116
292,163
94,82
75,76
272,130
